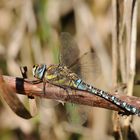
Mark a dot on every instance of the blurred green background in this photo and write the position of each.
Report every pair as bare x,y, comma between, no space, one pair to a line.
29,34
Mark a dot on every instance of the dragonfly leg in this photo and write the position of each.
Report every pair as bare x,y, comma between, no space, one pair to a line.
37,82
68,91
33,81
44,89
24,71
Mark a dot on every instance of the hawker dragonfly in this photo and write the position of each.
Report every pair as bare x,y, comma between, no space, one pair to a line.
63,75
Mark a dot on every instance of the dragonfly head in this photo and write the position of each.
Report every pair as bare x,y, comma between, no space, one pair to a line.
39,70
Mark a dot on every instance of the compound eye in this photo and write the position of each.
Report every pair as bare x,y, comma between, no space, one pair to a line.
39,70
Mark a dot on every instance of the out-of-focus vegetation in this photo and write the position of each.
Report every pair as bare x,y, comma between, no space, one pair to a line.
29,34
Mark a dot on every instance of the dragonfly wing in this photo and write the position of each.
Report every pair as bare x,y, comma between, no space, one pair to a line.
88,66
69,49
46,103
76,114
83,65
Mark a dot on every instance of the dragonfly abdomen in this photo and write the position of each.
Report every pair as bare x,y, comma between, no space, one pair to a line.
86,87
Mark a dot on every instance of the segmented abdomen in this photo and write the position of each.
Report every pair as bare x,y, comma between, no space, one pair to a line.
83,86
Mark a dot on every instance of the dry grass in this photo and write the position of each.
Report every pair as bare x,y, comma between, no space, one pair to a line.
29,34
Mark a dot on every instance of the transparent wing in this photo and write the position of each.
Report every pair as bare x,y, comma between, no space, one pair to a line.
88,66
69,50
85,65
46,103
76,114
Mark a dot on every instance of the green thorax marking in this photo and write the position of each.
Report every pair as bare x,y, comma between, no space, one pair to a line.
60,75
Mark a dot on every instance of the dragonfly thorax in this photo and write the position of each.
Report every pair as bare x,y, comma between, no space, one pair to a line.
60,75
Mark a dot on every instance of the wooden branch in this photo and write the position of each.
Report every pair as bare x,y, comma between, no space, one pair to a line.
75,96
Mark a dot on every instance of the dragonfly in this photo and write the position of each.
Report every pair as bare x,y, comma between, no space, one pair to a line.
63,74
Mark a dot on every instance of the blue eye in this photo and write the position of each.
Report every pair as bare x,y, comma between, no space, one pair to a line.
39,70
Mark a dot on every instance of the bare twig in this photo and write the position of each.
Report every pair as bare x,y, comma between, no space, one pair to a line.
115,60
131,28
132,50
75,96
114,43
